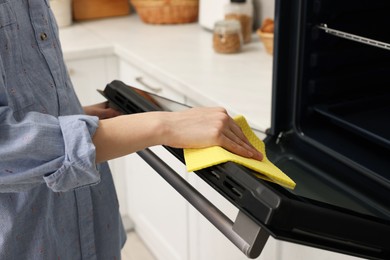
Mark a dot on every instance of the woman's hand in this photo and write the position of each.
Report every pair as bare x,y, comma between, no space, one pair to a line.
205,127
101,110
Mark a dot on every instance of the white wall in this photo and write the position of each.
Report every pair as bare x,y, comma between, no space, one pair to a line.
263,9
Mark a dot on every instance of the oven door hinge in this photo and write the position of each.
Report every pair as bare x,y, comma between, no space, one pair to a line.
280,137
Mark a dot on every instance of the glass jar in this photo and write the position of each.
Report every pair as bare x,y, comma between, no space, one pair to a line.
242,11
227,37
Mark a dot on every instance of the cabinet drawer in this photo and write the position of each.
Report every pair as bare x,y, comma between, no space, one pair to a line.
135,77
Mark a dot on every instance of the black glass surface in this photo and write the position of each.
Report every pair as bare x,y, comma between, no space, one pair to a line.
315,185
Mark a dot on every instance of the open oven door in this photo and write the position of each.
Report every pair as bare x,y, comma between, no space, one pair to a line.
327,134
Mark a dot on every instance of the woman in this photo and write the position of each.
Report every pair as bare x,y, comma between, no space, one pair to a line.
57,198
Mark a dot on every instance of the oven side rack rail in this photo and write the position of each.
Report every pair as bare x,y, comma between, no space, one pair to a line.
353,37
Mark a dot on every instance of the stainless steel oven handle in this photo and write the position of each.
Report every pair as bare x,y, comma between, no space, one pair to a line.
244,233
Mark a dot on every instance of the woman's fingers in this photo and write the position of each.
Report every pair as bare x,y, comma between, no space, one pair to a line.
109,113
101,110
237,133
237,142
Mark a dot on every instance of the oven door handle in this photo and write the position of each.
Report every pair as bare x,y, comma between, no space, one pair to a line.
244,233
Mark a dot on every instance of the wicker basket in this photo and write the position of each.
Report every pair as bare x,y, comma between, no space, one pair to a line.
167,11
267,39
95,9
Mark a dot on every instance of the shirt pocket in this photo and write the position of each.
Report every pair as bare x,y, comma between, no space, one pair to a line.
16,83
7,16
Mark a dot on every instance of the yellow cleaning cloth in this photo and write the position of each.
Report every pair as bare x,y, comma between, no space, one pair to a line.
197,159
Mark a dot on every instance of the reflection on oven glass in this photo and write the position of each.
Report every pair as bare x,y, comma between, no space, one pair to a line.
313,185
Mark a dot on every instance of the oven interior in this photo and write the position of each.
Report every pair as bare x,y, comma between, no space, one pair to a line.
331,107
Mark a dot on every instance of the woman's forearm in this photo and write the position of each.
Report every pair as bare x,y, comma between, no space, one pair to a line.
193,128
122,135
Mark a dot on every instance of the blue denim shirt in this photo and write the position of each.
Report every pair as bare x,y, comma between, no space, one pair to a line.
55,202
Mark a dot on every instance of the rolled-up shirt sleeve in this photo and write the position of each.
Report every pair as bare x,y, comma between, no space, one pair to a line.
45,149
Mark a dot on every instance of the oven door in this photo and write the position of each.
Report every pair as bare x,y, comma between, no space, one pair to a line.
318,213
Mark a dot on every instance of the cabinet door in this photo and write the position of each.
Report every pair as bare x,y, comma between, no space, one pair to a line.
206,241
160,213
91,74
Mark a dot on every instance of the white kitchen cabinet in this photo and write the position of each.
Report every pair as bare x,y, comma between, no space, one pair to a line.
160,213
90,74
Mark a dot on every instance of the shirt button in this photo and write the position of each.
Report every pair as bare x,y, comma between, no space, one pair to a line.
43,36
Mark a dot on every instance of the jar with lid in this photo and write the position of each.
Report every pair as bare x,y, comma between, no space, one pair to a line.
242,11
227,37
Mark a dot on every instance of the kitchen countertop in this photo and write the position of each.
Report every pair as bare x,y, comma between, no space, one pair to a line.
182,57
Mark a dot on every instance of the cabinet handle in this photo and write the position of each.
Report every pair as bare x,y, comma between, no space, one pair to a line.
244,233
146,85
